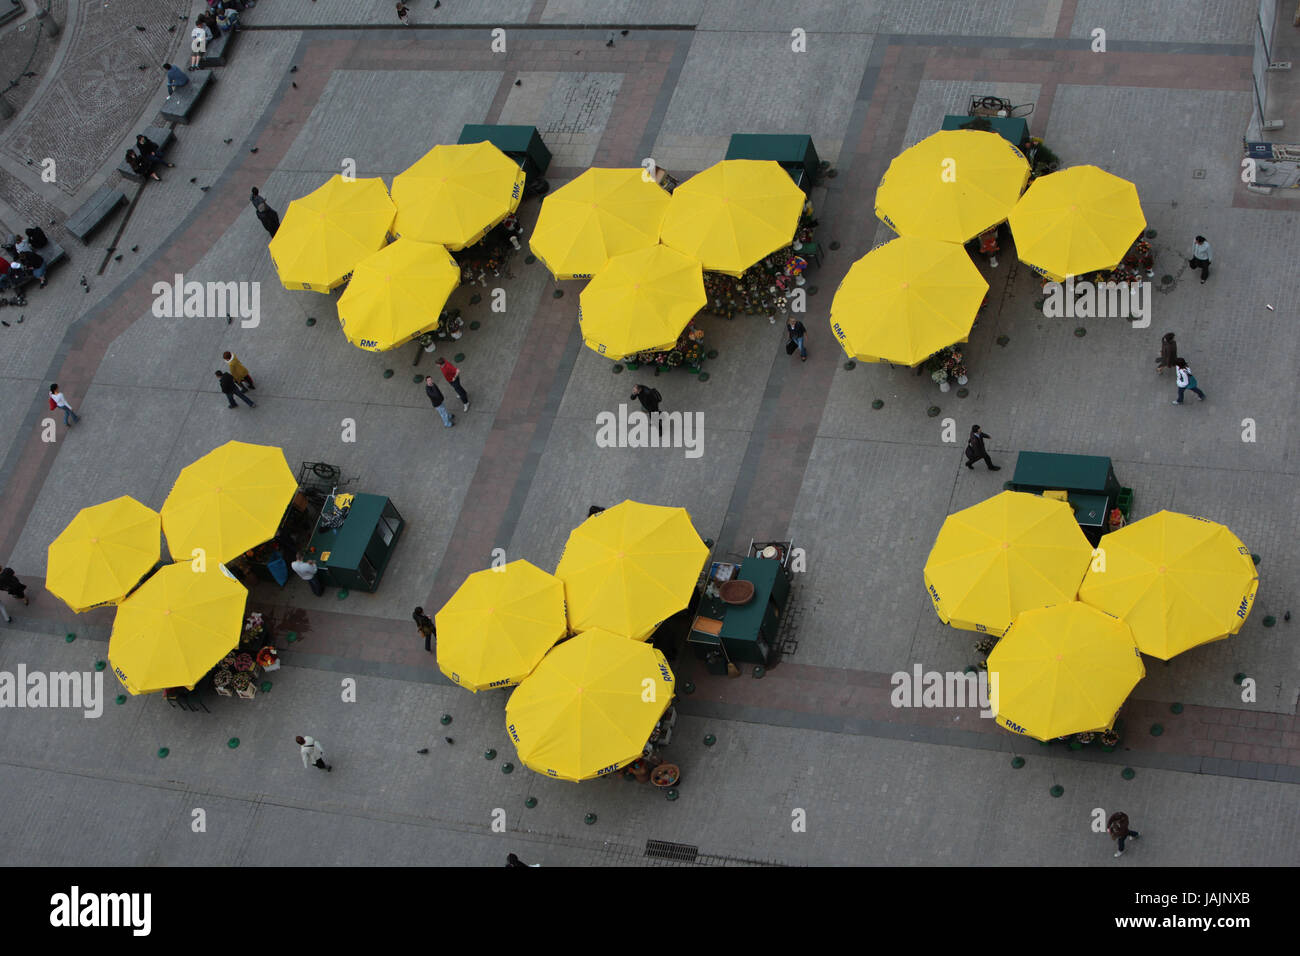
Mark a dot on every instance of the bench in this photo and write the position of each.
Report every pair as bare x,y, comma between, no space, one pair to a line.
162,135
10,10
177,107
218,50
94,211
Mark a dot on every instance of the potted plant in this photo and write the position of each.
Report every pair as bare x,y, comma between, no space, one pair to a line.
428,341
221,682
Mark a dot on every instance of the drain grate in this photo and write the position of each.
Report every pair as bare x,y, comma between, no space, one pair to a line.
663,850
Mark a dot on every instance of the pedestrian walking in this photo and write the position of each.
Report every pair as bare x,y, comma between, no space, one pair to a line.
795,329
424,624
512,860
403,14
230,388
237,370
1168,353
313,754
57,400
435,396
649,399
10,584
1201,256
1185,380
1118,828
975,449
452,374
268,217
306,569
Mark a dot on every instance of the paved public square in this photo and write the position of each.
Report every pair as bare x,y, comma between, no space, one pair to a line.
791,451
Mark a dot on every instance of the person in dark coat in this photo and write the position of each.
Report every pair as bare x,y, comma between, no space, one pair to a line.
795,329
649,399
269,218
150,151
230,388
424,624
975,449
10,584
141,166
435,396
1168,353
1118,828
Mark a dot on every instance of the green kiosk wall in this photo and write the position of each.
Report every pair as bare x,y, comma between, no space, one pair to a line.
354,555
521,143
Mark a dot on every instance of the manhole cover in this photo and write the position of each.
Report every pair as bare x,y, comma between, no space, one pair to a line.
1198,174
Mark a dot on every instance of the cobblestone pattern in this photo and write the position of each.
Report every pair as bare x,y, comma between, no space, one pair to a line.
90,107
21,51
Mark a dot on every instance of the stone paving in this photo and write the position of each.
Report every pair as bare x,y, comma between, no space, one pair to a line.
792,450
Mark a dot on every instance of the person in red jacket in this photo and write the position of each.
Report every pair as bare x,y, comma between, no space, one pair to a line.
452,374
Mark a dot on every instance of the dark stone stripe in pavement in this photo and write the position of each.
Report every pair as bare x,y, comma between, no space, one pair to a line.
666,88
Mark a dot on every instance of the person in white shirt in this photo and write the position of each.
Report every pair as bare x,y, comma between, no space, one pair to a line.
70,417
199,38
313,754
1201,256
306,570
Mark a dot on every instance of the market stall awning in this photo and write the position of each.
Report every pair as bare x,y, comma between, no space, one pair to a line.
499,625
602,214
454,195
953,185
1076,221
1008,554
1062,670
327,232
176,627
733,214
629,568
396,294
103,553
590,706
1179,581
907,299
641,301
228,501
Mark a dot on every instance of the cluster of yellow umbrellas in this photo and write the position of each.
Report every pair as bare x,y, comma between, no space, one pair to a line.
645,252
909,298
171,630
586,707
449,199
1073,621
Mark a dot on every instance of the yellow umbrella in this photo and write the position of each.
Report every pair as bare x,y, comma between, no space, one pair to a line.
641,300
590,706
327,232
1062,670
396,294
103,553
953,185
176,627
1177,580
454,194
1008,554
499,624
228,501
629,568
907,299
733,214
602,214
1076,221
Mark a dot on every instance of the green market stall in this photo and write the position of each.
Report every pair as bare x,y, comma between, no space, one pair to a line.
354,538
